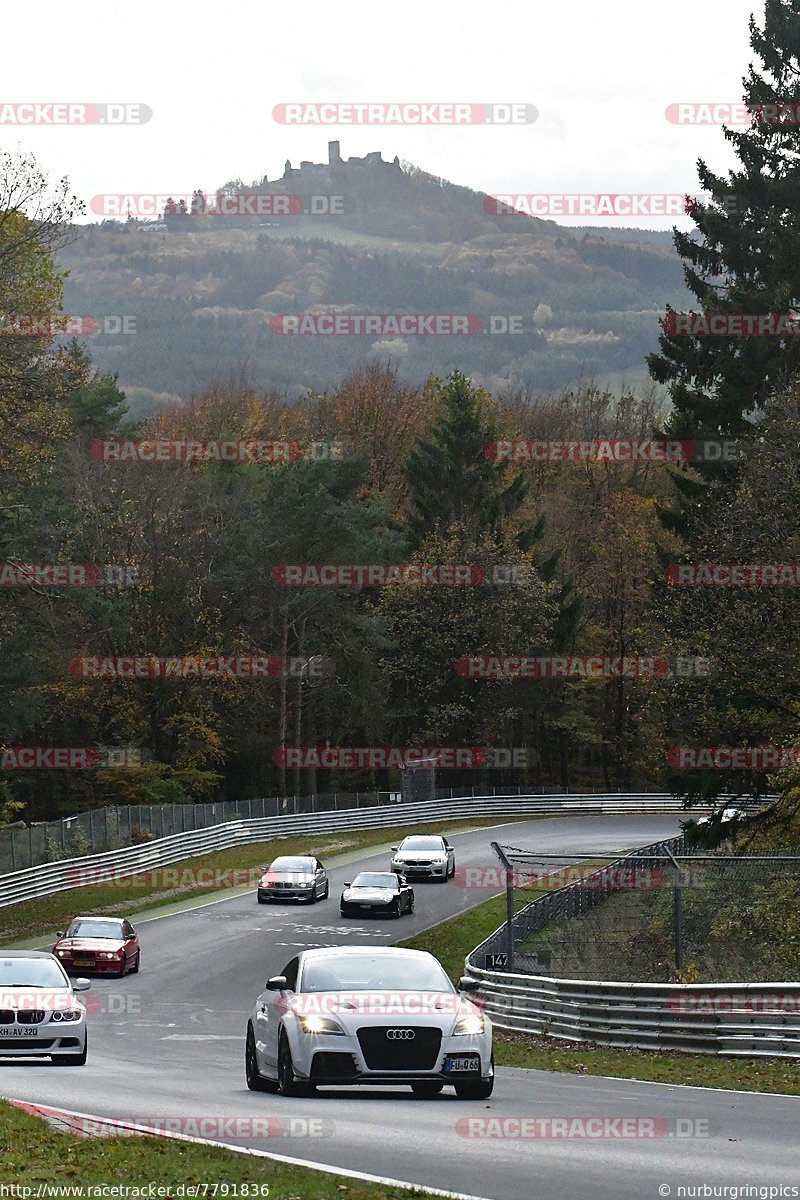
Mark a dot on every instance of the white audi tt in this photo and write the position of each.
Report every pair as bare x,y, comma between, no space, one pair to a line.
40,1017
349,1015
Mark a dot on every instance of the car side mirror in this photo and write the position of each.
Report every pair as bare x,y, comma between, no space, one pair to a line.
465,984
348,884
81,985
59,933
277,983
395,847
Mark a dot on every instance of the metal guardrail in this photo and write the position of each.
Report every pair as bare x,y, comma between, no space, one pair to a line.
746,1019
49,878
115,826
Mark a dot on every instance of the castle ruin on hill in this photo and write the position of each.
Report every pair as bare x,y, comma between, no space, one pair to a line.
336,165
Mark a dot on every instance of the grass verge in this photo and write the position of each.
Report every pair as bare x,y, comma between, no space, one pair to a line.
452,940
33,1153
200,876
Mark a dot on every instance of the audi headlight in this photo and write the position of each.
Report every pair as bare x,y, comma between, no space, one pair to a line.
316,1024
473,1023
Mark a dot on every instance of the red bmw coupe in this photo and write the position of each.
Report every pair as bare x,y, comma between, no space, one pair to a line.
108,945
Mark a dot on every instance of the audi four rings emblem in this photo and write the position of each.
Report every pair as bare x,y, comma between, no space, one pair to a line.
400,1035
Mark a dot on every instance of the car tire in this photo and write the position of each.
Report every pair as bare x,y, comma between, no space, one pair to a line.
327,889
135,970
426,1089
123,967
410,905
71,1060
397,910
288,1084
475,1089
255,1080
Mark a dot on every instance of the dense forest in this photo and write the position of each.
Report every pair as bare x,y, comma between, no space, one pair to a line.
183,553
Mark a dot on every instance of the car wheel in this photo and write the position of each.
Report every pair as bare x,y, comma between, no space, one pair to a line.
396,909
255,1080
123,966
426,1088
135,970
327,889
411,904
342,913
71,1060
288,1084
312,899
475,1089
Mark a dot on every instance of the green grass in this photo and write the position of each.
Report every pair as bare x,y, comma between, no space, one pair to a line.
42,917
452,940
34,1153
657,1066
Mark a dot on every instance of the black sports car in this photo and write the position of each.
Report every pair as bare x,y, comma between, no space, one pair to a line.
384,894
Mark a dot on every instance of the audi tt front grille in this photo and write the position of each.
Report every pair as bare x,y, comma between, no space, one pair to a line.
400,1047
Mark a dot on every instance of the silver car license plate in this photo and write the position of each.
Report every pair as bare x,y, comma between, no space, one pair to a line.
23,1031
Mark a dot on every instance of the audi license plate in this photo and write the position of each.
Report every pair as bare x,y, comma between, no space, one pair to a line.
464,1062
22,1031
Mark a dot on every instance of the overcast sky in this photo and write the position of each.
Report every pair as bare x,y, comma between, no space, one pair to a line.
600,75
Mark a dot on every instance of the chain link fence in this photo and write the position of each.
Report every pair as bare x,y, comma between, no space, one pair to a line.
664,913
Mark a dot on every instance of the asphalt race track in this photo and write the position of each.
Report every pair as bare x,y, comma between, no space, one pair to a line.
169,1042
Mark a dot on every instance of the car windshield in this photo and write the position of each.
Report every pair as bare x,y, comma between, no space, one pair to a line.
373,972
96,929
422,843
32,972
292,864
376,881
